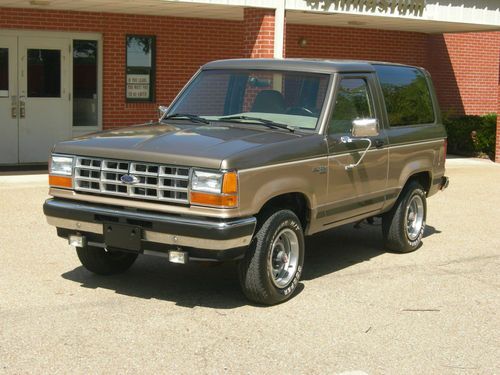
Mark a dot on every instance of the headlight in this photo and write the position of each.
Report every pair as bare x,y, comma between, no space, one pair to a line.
209,182
214,189
61,171
61,165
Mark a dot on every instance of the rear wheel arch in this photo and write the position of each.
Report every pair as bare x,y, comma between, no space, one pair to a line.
424,178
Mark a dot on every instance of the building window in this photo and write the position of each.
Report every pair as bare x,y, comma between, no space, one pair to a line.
44,73
140,68
4,72
85,83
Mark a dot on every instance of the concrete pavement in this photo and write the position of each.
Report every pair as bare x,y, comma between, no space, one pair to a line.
358,310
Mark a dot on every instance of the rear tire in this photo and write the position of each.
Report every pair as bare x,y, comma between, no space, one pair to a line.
102,262
404,225
271,269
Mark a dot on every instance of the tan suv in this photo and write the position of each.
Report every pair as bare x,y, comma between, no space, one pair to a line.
249,158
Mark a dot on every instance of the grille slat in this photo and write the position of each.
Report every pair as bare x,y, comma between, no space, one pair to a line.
156,182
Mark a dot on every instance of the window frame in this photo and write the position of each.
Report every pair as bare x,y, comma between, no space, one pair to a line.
152,73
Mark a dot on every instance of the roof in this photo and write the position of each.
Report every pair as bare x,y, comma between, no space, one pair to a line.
308,65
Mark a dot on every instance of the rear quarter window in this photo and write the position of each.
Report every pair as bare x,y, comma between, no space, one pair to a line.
407,95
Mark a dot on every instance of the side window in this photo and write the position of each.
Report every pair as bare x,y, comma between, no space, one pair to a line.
353,101
406,94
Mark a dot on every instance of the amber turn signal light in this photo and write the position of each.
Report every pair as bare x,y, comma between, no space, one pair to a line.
230,183
60,181
215,200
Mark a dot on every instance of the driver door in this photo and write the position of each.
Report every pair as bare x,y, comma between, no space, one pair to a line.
359,190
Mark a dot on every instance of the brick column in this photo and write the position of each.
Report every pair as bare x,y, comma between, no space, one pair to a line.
497,149
259,33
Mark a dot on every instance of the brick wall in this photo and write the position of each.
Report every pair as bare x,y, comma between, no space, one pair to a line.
465,69
183,44
258,33
349,43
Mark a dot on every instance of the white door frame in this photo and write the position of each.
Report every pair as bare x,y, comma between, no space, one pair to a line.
75,130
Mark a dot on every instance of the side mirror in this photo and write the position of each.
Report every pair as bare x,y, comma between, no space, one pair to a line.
365,127
161,111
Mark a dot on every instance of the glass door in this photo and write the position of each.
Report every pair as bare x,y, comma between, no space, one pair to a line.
9,111
44,96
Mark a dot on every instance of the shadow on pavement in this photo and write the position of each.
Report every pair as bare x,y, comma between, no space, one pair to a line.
16,170
216,285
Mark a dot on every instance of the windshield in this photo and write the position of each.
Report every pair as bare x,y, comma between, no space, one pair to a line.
293,99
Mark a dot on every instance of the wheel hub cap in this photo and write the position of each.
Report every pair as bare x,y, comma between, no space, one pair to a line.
284,257
414,217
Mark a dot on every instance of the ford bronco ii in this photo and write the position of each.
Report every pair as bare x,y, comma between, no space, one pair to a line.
250,157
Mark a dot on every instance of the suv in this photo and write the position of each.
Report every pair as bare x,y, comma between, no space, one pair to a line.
249,158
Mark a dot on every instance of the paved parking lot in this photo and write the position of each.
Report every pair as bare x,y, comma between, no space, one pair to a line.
358,309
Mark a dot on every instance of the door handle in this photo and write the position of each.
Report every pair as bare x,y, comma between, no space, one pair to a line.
347,139
22,107
13,108
379,143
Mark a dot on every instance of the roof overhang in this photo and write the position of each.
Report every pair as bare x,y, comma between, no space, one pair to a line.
427,16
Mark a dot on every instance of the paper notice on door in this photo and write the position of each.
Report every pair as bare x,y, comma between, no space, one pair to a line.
4,93
138,86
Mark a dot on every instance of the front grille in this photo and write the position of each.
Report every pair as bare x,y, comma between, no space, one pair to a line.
155,182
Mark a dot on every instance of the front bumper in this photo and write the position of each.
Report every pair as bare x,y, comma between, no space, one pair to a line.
217,239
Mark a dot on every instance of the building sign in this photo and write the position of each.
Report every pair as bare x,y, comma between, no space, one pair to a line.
138,86
415,7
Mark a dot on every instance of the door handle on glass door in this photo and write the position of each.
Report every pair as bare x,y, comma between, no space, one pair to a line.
22,107
13,108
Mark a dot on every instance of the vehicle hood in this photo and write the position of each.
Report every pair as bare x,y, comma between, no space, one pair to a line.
206,146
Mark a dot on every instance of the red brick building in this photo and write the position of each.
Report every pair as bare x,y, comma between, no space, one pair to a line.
71,67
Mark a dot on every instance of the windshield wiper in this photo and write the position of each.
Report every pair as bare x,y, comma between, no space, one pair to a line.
260,121
193,118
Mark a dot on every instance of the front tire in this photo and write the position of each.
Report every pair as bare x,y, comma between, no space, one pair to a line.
271,269
404,225
102,262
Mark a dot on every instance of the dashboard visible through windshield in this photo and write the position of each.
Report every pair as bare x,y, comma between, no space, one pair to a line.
272,98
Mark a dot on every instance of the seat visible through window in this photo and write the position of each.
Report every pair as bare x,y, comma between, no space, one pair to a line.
269,101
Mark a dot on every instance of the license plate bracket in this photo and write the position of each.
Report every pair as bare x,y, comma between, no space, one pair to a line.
122,236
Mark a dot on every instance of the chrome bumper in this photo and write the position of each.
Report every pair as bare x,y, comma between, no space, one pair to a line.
207,234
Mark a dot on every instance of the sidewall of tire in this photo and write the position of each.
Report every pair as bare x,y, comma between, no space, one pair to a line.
393,224
254,270
287,291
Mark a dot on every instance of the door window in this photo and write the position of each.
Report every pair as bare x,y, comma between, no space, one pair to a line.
353,102
85,83
4,72
44,73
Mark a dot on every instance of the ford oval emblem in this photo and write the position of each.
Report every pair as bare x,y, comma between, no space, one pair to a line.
129,179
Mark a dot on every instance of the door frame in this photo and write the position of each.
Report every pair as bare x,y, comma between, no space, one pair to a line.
70,35
365,204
